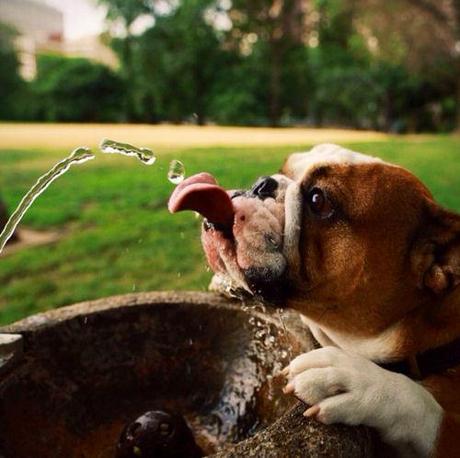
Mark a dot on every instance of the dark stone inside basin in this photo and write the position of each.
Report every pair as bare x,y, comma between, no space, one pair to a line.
80,374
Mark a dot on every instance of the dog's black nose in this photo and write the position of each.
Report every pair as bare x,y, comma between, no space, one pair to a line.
264,187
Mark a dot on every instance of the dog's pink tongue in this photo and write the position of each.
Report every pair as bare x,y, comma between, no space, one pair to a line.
202,193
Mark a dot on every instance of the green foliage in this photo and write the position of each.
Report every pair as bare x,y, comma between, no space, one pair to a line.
11,84
383,65
178,62
76,89
126,10
117,233
239,96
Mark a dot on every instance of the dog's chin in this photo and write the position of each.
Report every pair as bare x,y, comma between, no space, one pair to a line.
271,293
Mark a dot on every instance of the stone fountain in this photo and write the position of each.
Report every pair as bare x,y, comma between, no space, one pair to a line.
72,378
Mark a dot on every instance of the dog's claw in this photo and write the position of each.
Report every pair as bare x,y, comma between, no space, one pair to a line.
311,411
289,388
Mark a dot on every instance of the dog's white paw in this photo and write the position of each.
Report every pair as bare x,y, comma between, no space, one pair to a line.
344,387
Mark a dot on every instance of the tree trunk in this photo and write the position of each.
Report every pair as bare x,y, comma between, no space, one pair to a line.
456,26
275,84
200,91
453,22
457,120
129,78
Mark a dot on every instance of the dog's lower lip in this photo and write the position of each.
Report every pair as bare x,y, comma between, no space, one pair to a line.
222,228
207,225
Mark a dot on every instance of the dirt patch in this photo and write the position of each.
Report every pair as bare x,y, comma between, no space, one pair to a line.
28,238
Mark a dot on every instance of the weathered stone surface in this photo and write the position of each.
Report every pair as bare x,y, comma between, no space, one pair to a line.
88,369
11,351
294,436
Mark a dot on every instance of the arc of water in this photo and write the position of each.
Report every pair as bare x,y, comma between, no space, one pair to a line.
78,156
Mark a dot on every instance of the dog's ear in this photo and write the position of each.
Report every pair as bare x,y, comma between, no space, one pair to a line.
437,252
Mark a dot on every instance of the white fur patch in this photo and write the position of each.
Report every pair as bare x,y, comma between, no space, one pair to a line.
292,225
344,387
379,348
299,164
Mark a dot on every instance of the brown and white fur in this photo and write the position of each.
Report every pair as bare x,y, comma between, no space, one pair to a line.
373,265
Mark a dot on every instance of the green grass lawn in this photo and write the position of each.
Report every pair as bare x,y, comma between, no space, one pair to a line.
120,237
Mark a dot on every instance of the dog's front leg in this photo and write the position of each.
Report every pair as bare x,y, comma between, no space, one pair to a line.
343,387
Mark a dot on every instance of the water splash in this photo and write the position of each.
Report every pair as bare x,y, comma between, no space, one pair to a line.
78,156
280,312
176,172
145,155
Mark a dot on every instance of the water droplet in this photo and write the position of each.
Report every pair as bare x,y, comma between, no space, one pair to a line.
176,172
145,155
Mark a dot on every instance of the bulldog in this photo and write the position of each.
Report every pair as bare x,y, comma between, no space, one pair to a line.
360,248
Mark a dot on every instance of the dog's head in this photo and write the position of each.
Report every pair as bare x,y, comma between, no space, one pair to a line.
337,235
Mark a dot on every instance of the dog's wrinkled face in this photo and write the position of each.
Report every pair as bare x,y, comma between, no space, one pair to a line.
249,255
333,233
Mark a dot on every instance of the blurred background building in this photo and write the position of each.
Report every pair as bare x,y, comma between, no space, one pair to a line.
41,29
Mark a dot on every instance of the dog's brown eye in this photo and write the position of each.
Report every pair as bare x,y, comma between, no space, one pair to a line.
319,203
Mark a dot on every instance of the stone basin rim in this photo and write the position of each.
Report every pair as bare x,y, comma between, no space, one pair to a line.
53,317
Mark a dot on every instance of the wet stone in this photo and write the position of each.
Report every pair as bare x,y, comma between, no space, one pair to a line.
295,436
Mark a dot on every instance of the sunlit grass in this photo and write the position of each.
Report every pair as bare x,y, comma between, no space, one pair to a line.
120,237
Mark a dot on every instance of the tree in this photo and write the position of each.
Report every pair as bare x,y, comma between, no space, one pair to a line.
277,24
76,89
421,35
179,61
11,84
126,12
359,63
446,15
